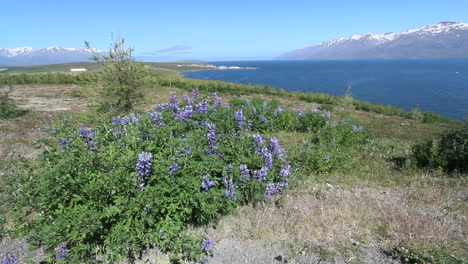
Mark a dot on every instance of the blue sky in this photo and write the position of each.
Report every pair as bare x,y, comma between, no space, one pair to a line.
212,29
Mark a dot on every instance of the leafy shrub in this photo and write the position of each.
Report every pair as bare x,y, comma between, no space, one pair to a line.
431,117
326,107
8,109
116,189
331,146
120,79
429,256
449,151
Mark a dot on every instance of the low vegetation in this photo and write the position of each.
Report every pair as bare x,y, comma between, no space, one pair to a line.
313,173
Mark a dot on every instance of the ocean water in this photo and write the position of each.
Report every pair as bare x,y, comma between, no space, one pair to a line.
440,86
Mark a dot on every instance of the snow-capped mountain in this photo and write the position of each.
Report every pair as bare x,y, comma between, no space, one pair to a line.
23,56
441,40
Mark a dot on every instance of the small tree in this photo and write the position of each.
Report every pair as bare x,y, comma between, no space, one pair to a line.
120,78
8,109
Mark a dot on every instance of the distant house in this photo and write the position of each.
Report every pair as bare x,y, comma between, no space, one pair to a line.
78,69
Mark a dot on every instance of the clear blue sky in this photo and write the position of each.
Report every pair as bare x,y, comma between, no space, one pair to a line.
212,29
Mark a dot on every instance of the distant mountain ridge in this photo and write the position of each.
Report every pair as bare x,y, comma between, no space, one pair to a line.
441,40
24,56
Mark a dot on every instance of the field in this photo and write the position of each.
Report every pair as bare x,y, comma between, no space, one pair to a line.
363,212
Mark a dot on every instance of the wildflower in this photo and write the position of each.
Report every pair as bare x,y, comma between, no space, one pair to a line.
265,107
278,110
172,168
281,186
161,107
268,160
263,119
202,107
300,115
244,172
270,190
285,171
117,120
207,244
356,129
185,151
250,125
184,113
157,118
174,102
143,167
195,93
206,183
258,141
230,191
261,174
274,146
218,102
254,111
65,143
187,99
86,133
8,259
239,117
61,252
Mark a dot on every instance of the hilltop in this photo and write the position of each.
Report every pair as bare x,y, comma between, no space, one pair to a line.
441,40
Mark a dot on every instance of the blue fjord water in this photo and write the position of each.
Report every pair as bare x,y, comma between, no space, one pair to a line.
440,86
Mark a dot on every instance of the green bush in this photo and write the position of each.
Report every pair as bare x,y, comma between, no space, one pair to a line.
8,108
449,151
116,189
330,147
429,256
326,107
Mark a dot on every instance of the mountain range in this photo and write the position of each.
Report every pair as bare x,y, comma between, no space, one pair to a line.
441,40
23,56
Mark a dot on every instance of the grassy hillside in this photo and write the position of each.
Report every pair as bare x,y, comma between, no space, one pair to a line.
65,67
347,201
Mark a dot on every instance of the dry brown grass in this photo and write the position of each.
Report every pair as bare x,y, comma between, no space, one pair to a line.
322,214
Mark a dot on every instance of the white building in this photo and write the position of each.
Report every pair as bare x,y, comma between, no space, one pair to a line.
78,69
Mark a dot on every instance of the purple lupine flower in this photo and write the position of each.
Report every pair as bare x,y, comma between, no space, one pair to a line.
265,106
270,190
332,123
357,129
300,115
250,125
185,151
187,99
261,174
172,168
218,102
157,118
206,183
211,134
274,146
161,107
263,119
278,111
254,111
268,160
195,93
86,134
173,100
239,117
281,186
258,142
117,121
207,244
326,114
244,172
65,143
230,191
143,167
61,252
314,110
285,171
184,113
202,107
130,119
8,258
